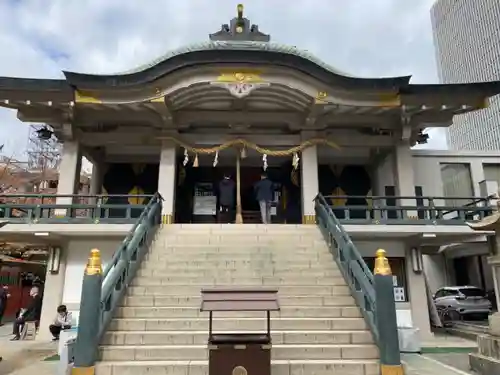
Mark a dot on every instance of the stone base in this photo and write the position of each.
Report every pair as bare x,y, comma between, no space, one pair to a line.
487,360
494,322
484,365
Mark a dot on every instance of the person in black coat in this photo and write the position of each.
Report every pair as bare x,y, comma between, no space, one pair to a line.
4,295
264,193
30,314
226,189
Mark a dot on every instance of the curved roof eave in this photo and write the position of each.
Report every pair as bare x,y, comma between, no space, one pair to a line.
234,53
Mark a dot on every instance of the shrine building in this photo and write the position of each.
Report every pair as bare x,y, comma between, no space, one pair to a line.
239,104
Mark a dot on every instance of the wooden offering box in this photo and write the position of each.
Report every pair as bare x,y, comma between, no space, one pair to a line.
239,353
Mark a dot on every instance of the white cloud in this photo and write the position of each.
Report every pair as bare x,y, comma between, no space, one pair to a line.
39,38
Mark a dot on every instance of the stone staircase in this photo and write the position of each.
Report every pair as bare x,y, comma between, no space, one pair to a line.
159,330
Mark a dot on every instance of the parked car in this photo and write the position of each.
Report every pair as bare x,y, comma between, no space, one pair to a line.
468,301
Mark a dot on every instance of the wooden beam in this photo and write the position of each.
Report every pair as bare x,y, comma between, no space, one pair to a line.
342,138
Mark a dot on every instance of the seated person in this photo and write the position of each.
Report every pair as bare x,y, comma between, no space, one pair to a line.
30,314
61,322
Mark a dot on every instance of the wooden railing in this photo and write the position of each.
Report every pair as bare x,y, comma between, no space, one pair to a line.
374,294
408,209
33,208
103,289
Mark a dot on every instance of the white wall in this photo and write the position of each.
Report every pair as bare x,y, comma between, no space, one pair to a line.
368,248
435,269
77,254
427,170
384,175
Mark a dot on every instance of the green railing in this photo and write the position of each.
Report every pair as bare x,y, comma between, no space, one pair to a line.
374,294
72,209
410,210
102,290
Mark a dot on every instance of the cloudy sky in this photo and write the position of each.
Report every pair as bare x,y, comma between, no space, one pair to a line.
40,38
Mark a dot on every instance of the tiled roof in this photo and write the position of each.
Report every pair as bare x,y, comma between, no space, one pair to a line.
243,46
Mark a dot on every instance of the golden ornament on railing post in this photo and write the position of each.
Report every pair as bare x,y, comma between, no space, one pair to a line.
382,266
386,321
87,341
94,263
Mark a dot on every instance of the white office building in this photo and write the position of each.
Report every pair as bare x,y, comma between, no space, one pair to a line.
467,44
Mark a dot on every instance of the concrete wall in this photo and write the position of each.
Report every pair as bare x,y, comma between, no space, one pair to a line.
77,255
427,169
65,287
435,268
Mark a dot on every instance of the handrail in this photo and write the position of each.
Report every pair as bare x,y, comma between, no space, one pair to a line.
33,209
352,265
132,249
101,292
128,237
423,210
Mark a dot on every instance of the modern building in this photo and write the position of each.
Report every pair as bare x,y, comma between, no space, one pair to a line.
239,104
467,44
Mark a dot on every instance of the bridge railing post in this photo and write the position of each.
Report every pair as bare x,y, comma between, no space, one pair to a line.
390,357
86,345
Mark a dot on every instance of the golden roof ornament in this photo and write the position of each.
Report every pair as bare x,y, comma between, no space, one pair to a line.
240,29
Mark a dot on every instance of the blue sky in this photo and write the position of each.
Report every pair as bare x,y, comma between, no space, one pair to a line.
40,38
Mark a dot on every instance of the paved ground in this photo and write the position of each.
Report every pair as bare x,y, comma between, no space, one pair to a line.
459,361
437,364
24,357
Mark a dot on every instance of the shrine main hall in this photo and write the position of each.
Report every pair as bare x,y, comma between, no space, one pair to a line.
238,104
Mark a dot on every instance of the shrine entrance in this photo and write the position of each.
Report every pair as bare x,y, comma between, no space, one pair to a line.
197,198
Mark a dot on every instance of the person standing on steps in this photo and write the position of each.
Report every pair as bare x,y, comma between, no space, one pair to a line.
227,189
264,193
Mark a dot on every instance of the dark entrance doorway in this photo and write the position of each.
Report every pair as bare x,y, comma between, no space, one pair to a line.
196,198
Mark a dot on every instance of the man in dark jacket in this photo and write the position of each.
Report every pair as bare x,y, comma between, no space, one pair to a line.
264,193
226,199
30,314
4,295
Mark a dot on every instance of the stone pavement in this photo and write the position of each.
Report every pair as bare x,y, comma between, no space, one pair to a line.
25,357
437,364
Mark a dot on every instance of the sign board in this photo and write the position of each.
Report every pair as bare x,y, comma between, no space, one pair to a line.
205,201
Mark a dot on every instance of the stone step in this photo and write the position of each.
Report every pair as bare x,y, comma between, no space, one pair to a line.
236,240
194,312
200,352
235,280
284,290
246,324
279,367
239,264
200,337
239,273
245,233
228,228
241,248
240,256
195,301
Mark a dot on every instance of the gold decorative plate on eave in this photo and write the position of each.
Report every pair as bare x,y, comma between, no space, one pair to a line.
389,100
81,97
